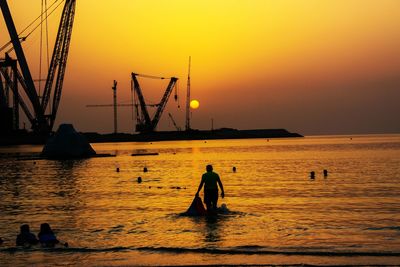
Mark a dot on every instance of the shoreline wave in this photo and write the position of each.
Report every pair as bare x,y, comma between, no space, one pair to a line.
225,251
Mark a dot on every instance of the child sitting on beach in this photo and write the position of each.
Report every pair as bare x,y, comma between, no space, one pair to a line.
25,237
46,236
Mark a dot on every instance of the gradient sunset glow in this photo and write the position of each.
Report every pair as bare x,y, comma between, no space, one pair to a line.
313,67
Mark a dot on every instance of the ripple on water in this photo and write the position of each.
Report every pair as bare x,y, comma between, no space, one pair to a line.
273,206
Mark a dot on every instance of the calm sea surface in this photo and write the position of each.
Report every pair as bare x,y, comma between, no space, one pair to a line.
277,215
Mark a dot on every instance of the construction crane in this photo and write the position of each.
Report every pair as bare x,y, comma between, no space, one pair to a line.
187,126
38,110
144,124
174,123
114,88
114,105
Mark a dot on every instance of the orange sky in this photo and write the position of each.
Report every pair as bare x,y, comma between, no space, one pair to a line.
315,67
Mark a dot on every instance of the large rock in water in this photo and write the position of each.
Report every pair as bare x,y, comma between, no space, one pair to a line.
67,143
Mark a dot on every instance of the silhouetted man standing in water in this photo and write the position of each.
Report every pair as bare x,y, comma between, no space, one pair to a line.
210,180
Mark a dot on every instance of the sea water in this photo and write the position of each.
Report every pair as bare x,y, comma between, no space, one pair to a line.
275,213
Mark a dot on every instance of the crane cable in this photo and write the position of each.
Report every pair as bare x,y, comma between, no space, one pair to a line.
149,76
47,14
47,36
43,12
40,49
27,27
176,96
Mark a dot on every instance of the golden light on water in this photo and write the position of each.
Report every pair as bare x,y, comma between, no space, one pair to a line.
194,104
271,189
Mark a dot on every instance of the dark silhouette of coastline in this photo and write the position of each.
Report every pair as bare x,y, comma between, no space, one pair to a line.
24,137
224,133
21,137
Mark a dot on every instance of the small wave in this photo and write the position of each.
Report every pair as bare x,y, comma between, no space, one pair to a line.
396,228
66,250
220,213
97,230
242,250
250,247
256,250
116,229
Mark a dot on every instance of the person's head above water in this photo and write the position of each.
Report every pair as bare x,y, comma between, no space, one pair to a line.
24,228
209,168
45,228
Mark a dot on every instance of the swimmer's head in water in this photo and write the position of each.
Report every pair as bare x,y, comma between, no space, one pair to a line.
24,228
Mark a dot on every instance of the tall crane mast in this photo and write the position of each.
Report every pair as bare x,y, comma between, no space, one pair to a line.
187,126
115,106
43,116
114,88
144,123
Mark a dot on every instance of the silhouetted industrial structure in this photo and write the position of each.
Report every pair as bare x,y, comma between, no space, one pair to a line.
187,125
15,75
114,88
115,106
144,124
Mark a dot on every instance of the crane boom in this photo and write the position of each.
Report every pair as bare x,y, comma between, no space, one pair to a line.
24,107
142,103
144,122
59,60
30,89
163,103
41,117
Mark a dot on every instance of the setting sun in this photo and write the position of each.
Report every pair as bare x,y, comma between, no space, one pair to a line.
194,104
